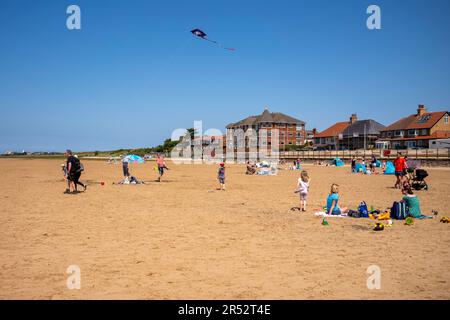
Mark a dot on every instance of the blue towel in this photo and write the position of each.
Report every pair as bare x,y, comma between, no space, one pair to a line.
422,217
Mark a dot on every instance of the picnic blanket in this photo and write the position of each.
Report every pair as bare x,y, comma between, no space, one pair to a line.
322,214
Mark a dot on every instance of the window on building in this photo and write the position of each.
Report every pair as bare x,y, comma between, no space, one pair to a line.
446,119
424,132
411,144
398,133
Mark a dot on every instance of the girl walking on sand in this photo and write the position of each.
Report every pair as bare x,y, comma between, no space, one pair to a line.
303,189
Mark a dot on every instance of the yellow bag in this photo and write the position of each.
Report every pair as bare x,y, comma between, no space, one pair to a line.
384,216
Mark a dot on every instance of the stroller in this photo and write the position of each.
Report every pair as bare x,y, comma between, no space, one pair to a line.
418,179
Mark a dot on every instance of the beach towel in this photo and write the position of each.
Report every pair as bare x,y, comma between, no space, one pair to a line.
322,214
423,217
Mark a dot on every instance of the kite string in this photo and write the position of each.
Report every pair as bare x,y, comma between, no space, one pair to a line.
219,44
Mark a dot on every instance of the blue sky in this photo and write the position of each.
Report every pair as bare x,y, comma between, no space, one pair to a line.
134,73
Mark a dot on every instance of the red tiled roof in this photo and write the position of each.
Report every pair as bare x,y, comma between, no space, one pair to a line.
334,130
435,135
414,121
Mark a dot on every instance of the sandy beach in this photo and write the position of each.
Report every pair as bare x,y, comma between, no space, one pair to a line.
182,239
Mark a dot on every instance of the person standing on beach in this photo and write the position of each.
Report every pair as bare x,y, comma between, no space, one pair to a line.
353,164
78,169
373,164
161,166
66,177
221,176
74,170
125,168
400,166
303,189
70,162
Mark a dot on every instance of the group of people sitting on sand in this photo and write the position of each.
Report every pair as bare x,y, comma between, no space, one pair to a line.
333,206
261,168
368,167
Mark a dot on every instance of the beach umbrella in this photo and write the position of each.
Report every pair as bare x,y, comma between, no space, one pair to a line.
132,158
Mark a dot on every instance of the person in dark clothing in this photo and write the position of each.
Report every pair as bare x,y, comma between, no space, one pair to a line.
373,164
74,169
353,164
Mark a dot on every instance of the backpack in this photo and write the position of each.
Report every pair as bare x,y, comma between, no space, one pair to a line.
353,214
399,211
78,167
363,210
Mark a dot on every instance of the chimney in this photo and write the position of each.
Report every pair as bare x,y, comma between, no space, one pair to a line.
353,118
421,110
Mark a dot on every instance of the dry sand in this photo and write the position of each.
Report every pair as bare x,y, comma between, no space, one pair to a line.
176,240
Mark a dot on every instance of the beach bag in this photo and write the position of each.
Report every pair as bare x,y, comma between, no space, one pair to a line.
77,165
353,214
80,167
363,210
399,210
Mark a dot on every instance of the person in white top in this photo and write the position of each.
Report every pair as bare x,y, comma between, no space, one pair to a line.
303,189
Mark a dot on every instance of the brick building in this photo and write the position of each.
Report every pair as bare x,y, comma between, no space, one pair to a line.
291,131
416,130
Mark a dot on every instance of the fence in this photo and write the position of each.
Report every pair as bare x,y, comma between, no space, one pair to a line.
422,154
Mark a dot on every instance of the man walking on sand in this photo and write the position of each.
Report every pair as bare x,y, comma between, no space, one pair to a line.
74,172
161,166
